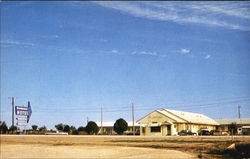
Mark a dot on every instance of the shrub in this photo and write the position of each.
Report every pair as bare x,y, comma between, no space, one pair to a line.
232,128
3,127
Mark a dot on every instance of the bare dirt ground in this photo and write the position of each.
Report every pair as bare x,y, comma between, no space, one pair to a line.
41,146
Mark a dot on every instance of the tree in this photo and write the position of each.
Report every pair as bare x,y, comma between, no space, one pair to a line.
59,127
13,128
81,128
232,128
43,128
73,130
91,128
34,127
120,126
66,128
72,127
3,127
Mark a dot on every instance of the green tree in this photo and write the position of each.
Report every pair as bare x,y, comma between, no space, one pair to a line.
66,128
120,126
13,128
3,127
72,127
73,130
43,128
91,128
232,128
59,127
34,127
81,128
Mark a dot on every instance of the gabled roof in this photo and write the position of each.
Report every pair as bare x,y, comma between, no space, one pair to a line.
185,117
172,116
237,121
192,117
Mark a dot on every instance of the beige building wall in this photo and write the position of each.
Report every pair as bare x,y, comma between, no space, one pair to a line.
167,126
156,119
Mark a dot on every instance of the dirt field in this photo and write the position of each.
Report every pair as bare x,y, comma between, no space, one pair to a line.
31,146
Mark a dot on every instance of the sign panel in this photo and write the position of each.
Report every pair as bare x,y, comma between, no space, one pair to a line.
19,119
22,110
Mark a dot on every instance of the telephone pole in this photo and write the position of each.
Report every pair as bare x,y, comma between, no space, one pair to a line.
101,122
87,120
133,118
13,109
238,111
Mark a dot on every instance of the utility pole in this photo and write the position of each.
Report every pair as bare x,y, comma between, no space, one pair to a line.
238,111
101,122
13,114
133,118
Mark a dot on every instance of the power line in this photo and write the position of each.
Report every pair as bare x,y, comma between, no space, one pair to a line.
152,106
97,108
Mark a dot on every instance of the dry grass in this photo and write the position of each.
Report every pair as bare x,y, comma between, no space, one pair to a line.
209,146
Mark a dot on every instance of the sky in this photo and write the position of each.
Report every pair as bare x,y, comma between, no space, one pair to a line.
69,59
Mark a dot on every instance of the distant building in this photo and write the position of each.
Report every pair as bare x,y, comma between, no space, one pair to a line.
240,122
107,128
170,122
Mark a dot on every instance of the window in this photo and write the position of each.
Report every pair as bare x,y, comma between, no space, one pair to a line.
156,129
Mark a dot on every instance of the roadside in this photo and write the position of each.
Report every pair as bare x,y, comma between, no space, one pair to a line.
209,147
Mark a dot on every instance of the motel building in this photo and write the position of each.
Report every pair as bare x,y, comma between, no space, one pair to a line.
169,122
107,128
243,125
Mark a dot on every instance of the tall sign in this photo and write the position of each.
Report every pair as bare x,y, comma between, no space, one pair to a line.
23,115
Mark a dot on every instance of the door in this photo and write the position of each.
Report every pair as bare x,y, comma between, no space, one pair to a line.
168,129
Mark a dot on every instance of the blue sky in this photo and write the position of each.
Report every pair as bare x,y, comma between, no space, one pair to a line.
72,58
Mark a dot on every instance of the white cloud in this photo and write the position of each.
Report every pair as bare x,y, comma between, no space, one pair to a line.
103,40
12,42
185,51
207,57
208,13
50,36
230,9
145,53
114,51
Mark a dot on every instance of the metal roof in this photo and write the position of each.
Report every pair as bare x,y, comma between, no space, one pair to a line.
235,120
172,116
179,116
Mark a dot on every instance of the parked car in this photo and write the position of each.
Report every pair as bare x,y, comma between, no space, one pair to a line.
215,132
131,133
186,132
224,133
204,132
